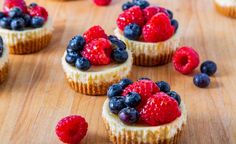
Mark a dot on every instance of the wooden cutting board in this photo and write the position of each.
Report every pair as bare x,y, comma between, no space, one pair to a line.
36,95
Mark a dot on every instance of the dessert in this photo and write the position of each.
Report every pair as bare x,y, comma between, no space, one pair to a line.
226,7
95,61
3,61
139,112
25,29
150,32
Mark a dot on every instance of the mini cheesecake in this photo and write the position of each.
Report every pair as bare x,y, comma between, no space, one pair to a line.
226,7
3,64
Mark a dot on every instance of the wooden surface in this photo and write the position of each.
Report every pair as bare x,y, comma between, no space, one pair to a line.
36,95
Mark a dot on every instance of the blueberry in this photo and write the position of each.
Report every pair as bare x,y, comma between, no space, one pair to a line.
129,115
112,38
119,55
170,13
208,67
144,78
116,104
33,4
163,86
27,19
5,22
76,43
1,46
141,3
71,58
201,80
127,5
175,95
37,22
1,41
17,24
118,43
125,82
2,14
175,24
15,12
82,63
133,99
132,31
114,90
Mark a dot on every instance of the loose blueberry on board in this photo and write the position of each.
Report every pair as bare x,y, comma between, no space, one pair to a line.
127,5
82,63
33,4
119,55
77,43
5,22
114,90
170,13
163,86
125,82
129,115
116,104
71,58
132,31
27,19
175,95
208,67
17,24
133,99
15,12
37,22
141,3
2,14
201,80
175,24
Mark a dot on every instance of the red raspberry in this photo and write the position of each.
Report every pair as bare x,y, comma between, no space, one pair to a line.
145,88
185,60
150,11
94,33
38,11
158,28
8,4
102,2
160,109
132,15
71,129
98,51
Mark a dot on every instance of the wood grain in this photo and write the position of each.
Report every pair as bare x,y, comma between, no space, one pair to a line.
36,94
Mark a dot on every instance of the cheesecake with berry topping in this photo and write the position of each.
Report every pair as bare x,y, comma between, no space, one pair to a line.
25,29
226,7
143,112
3,61
95,61
150,32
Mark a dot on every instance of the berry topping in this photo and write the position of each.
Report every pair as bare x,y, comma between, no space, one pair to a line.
102,2
185,60
37,22
175,24
132,15
5,22
82,63
15,12
127,5
129,115
1,46
175,95
141,3
117,43
71,57
119,55
144,78
163,86
38,11
159,109
93,33
150,11
2,14
170,13
17,24
158,28
8,4
201,80
133,99
33,4
125,82
116,104
71,129
114,90
27,19
132,31
208,67
98,51
77,43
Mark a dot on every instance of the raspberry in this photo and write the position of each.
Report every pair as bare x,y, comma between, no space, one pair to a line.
102,2
71,129
158,28
150,11
160,109
38,11
145,88
8,4
185,60
132,15
94,33
98,51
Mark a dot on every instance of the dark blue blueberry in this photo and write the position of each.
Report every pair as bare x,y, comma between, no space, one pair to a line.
144,78
71,58
37,22
201,80
125,82
1,41
27,19
15,12
5,22
127,5
18,24
208,67
175,24
132,31
116,104
129,115
114,90
82,63
76,43
141,3
119,55
175,95
163,86
1,46
33,4
112,38
118,43
133,99
170,13
2,14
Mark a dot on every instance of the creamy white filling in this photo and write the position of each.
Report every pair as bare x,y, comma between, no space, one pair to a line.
226,2
4,57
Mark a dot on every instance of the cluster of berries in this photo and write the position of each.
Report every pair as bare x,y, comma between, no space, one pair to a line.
17,16
144,101
186,59
139,21
95,48
1,46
